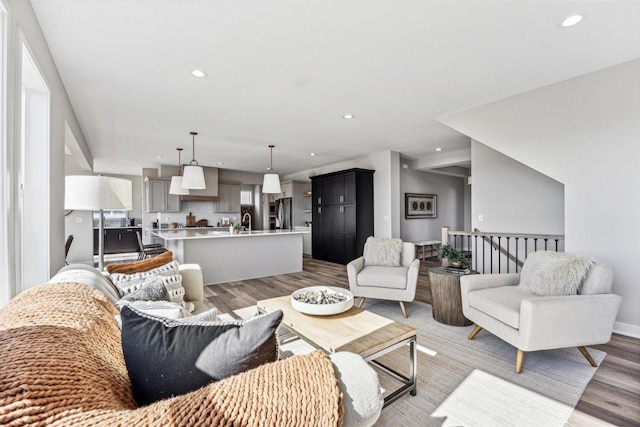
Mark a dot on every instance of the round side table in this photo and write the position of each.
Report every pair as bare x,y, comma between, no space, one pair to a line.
446,300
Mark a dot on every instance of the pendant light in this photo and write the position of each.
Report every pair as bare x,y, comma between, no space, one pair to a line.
193,176
176,181
271,183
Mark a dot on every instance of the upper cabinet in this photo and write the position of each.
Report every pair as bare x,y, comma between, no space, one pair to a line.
228,198
208,194
287,190
157,197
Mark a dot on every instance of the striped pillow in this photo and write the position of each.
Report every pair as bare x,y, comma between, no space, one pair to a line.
169,274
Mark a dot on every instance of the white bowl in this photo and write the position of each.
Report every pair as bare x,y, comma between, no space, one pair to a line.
322,309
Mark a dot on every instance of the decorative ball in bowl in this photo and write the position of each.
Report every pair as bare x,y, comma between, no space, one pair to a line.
322,300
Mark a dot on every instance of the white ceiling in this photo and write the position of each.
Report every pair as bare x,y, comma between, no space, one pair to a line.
285,72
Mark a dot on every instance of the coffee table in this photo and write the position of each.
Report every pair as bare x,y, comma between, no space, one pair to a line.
357,331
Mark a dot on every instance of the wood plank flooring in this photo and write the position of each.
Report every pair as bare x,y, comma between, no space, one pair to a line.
612,396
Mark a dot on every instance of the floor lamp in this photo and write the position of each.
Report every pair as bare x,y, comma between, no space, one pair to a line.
96,193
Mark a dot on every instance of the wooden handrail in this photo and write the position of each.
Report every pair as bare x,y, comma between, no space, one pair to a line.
487,237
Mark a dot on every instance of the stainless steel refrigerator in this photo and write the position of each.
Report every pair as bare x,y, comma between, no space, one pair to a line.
284,215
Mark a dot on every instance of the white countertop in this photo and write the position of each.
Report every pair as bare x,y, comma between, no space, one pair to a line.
204,233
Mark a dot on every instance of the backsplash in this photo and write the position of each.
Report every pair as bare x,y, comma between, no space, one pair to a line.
201,210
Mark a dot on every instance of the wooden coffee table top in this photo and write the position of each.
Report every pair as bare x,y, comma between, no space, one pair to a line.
356,330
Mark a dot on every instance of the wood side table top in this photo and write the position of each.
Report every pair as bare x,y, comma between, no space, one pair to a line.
356,330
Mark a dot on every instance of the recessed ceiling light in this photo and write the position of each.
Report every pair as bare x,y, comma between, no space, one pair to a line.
221,163
572,20
312,154
199,73
159,156
109,169
438,149
347,116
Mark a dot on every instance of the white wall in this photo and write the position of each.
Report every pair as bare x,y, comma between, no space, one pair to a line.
585,133
450,204
386,187
22,19
512,197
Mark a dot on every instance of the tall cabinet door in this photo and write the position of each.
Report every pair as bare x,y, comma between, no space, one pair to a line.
173,200
316,231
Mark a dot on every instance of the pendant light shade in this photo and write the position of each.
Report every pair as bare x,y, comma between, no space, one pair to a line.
176,181
271,182
193,176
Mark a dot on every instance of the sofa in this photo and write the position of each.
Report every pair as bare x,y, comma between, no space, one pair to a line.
63,365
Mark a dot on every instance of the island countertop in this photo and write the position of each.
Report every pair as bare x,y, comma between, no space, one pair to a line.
203,233
225,257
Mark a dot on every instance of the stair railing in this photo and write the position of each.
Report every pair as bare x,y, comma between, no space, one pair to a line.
503,252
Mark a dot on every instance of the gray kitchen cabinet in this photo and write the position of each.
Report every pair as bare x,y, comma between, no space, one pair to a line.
228,198
157,197
286,190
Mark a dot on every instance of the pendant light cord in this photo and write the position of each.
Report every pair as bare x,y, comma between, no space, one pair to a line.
179,161
193,149
271,158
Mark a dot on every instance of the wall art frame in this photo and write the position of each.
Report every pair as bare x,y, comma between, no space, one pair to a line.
420,206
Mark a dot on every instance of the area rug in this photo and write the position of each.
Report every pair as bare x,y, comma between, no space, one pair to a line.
473,383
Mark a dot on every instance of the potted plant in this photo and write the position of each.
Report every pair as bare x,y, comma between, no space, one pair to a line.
450,256
237,228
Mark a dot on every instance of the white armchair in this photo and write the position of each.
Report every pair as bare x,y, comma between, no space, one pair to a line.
389,283
531,322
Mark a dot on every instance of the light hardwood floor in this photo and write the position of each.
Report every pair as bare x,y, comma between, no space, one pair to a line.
612,396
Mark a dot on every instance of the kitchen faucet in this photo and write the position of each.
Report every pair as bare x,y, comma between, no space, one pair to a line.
243,217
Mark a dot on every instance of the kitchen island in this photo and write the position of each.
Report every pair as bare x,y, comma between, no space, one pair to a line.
226,257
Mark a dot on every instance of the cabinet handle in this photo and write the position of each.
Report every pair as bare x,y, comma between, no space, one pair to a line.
319,210
119,236
341,199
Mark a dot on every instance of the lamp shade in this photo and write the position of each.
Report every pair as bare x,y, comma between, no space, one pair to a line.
176,186
92,193
193,178
271,183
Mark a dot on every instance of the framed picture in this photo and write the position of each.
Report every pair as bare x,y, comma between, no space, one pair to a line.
420,206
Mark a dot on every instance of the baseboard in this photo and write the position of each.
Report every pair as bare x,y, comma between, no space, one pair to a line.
626,329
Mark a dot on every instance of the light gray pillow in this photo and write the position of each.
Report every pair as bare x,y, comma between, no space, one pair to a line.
87,275
168,273
553,273
154,290
383,251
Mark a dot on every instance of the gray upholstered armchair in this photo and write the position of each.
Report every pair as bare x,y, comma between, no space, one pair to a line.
529,321
386,282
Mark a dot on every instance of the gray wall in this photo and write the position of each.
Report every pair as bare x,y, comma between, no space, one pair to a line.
583,132
450,204
512,197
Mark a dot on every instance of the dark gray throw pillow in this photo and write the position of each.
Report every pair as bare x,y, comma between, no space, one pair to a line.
167,358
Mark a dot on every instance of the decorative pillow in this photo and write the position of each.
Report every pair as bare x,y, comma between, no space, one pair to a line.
553,273
170,310
167,358
168,273
87,275
141,266
383,251
153,290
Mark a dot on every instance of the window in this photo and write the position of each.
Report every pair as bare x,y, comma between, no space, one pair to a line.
246,197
